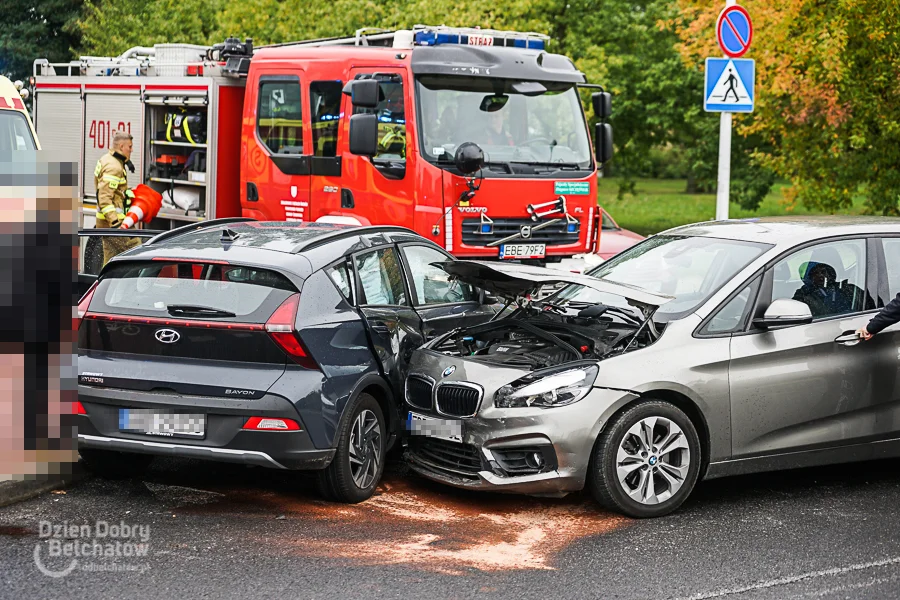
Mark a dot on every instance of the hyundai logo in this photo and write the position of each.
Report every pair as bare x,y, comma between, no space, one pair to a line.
449,370
167,336
525,230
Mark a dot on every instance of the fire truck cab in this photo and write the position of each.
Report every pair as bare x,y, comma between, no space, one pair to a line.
369,130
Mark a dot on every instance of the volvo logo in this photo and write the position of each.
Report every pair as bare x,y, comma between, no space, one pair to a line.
448,371
167,336
525,230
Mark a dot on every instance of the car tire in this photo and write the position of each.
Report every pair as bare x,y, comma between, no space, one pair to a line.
642,480
358,463
110,464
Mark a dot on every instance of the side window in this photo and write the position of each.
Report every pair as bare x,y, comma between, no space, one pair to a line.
733,316
432,285
342,279
380,278
279,120
325,111
391,113
892,261
829,278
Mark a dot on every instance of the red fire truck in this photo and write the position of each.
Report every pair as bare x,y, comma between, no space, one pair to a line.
474,138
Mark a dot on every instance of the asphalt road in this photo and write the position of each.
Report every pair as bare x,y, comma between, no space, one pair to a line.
223,531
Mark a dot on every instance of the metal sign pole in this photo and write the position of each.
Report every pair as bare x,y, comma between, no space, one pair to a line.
724,181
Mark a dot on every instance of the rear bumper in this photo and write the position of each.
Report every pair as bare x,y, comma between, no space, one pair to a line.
308,459
224,438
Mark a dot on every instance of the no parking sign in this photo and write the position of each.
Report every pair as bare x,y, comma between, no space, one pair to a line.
734,31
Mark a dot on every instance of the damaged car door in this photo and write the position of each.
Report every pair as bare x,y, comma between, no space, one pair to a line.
393,325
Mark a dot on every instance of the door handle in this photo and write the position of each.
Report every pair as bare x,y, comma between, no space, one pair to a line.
347,199
848,338
381,329
252,192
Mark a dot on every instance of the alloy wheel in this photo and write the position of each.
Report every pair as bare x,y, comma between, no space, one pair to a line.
365,449
653,460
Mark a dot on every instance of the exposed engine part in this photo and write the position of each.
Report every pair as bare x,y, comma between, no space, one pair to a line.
542,338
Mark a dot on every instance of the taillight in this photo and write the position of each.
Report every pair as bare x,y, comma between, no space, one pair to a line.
78,408
271,424
280,327
83,305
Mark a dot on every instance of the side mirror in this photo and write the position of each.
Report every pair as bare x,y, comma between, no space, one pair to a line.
784,311
364,135
603,142
364,93
602,103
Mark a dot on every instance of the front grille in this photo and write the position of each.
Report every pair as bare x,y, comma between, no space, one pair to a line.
552,235
449,458
418,392
458,400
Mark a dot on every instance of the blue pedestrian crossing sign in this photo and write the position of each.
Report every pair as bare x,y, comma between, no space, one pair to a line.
729,85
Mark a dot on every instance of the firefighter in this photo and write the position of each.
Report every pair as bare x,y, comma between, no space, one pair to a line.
113,195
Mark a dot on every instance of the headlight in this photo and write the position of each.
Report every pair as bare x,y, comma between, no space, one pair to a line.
558,387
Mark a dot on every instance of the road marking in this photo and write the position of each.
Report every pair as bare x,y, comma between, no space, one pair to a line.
794,579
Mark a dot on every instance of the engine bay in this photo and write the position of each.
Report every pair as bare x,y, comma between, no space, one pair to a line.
545,335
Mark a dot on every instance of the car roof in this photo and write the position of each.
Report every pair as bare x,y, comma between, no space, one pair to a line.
300,247
789,231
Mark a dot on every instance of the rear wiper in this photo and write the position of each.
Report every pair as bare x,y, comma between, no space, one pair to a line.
188,310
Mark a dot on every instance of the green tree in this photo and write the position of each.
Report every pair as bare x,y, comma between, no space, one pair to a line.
110,27
828,103
31,29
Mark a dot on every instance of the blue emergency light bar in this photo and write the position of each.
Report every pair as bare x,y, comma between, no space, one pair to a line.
437,36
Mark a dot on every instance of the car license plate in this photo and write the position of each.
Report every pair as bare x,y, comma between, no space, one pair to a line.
512,251
151,422
443,429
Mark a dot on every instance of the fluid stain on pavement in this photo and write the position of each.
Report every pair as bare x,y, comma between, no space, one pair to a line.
417,523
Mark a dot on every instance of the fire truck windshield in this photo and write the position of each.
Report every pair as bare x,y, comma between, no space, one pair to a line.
538,124
15,134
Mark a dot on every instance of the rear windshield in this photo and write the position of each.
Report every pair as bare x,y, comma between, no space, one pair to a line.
192,291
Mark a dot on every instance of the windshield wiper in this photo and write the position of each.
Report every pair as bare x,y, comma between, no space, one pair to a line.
498,163
188,310
561,166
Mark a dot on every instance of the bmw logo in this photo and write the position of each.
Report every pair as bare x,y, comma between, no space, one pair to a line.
448,371
652,461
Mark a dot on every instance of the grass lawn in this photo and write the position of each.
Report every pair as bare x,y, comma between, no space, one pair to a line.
661,203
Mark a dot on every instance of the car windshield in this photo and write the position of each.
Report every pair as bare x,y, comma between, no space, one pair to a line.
15,134
690,269
528,122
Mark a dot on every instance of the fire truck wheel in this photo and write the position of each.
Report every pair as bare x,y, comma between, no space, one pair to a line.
110,464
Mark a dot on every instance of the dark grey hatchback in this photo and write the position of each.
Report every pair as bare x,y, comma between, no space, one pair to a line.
276,344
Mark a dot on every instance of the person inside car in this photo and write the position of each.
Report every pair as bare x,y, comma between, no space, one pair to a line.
821,291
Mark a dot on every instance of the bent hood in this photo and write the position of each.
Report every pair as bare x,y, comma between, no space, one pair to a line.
513,280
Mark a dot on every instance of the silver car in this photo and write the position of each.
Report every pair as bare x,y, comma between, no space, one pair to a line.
708,350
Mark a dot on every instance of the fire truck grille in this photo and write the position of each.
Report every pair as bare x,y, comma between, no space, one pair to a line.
557,234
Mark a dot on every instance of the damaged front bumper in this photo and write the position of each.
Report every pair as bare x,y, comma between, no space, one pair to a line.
534,451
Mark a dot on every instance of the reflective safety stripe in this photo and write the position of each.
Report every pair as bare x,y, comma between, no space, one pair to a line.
97,169
129,193
108,209
169,119
187,131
